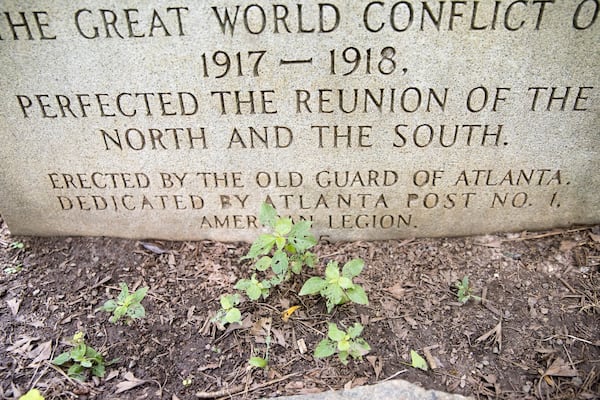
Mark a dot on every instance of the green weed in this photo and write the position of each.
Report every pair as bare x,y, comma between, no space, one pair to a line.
343,343
126,305
337,288
80,359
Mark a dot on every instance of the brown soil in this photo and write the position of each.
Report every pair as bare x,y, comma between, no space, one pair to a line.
535,334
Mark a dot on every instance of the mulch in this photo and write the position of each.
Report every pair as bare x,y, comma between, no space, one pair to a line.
532,331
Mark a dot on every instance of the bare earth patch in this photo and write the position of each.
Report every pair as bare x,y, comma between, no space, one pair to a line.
534,335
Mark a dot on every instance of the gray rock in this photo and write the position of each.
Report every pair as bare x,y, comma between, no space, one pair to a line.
391,390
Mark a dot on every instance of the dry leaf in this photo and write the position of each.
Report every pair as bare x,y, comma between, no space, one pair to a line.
208,366
567,245
130,383
190,313
262,327
295,385
397,291
413,324
279,338
111,375
490,241
40,354
595,238
560,368
153,248
285,316
495,334
23,345
431,360
377,365
14,305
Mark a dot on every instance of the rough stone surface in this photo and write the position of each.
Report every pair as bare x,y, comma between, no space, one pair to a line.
392,390
374,119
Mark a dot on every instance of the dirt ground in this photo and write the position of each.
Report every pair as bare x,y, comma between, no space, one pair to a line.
534,335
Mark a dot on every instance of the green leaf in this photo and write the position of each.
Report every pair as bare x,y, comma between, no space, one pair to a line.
92,354
62,358
332,272
76,371
280,242
109,306
283,226
335,334
280,263
124,293
296,266
355,330
300,236
263,264
265,291
119,312
233,315
325,348
243,284
335,295
78,352
417,361
136,311
274,281
310,259
353,268
357,295
86,363
139,294
343,345
226,302
343,355
99,370
257,362
253,291
361,347
313,286
290,249
267,215
345,282
33,394
263,244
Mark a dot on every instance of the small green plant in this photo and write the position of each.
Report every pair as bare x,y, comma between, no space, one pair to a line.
254,288
80,359
262,362
284,251
33,394
338,288
228,314
465,291
13,269
17,245
344,343
416,361
127,304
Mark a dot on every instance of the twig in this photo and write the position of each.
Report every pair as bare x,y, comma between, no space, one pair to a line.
543,235
394,375
241,388
564,282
